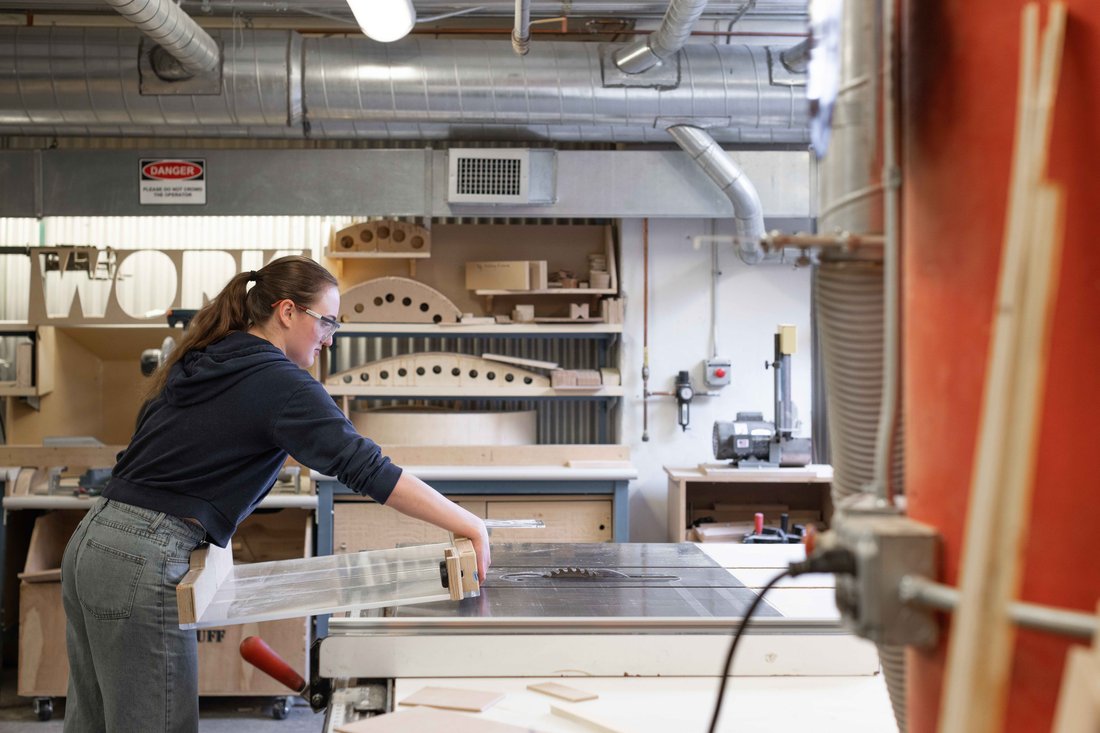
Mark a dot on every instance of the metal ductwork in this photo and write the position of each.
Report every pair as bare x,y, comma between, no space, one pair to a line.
279,84
166,25
670,37
719,166
521,33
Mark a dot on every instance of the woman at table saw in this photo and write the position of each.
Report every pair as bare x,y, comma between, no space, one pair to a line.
232,401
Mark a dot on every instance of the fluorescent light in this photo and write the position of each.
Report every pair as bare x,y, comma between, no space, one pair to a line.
384,20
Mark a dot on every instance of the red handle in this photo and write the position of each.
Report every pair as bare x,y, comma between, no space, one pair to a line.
257,653
758,523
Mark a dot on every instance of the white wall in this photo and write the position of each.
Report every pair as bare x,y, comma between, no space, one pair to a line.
752,300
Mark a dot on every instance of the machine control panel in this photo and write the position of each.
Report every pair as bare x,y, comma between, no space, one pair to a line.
717,372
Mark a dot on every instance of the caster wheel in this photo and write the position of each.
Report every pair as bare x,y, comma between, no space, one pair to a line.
43,708
281,709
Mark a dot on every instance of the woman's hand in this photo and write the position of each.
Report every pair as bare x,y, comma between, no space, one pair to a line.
415,498
480,540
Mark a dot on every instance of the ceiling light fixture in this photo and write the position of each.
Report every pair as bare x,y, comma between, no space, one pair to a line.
384,20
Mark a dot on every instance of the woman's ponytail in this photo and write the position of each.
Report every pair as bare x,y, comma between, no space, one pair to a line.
237,307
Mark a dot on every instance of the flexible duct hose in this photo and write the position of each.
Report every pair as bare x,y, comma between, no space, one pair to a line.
849,305
849,311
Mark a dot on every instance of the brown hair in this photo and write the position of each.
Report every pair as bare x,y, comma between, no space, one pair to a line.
237,308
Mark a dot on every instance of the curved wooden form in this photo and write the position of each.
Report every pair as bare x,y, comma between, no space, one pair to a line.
384,235
438,369
396,300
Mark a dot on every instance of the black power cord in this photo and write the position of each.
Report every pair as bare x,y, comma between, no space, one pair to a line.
841,562
733,647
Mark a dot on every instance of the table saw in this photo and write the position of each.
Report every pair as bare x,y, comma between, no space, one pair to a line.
554,610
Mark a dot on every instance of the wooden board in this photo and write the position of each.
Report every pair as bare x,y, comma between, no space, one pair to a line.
1078,708
24,364
529,363
45,457
555,689
588,720
365,525
453,698
428,720
494,455
441,427
568,520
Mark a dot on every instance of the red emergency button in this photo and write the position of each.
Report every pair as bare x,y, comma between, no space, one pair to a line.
719,373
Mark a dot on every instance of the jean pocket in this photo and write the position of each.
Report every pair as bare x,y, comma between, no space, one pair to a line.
175,569
107,580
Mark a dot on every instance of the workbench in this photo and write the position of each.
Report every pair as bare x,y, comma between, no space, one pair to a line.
498,480
717,490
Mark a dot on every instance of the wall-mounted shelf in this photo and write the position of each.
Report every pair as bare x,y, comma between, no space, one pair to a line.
351,390
493,329
550,291
333,254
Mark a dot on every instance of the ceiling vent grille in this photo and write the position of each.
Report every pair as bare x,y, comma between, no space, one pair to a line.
501,176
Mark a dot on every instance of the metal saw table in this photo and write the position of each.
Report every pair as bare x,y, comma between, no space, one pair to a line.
602,610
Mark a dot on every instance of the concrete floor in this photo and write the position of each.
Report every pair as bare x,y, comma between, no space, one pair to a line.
218,714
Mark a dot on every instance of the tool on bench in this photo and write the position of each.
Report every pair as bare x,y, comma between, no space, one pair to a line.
749,440
781,535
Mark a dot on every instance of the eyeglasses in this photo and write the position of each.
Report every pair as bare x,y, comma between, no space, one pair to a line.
329,324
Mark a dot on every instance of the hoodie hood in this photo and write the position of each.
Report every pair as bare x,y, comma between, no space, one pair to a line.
202,375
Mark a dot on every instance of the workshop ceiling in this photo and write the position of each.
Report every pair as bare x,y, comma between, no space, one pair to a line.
302,70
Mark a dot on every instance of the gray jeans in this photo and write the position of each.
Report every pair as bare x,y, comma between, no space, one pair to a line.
131,668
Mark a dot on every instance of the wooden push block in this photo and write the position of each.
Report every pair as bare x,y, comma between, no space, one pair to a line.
578,310
461,562
210,565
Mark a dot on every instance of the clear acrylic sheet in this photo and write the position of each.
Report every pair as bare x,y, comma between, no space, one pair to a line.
269,591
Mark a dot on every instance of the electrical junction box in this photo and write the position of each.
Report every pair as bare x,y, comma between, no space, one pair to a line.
887,547
716,372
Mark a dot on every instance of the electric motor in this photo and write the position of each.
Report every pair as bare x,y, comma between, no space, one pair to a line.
746,437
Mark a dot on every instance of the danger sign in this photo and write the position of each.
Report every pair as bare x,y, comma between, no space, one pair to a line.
168,181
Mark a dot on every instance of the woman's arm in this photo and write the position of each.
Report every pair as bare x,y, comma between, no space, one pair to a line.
415,498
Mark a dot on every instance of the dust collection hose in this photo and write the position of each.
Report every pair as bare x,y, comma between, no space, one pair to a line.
256,652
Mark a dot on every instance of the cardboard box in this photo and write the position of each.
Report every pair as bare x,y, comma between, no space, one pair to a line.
501,275
540,279
43,662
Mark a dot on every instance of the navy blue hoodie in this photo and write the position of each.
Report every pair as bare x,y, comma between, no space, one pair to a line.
211,445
